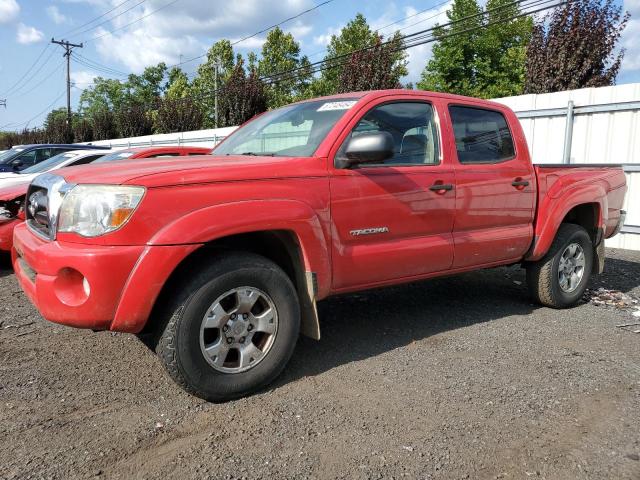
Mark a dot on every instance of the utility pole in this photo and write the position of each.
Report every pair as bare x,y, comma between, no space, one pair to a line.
215,93
68,47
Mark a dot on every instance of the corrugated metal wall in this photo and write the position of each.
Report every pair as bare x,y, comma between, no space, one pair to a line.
610,134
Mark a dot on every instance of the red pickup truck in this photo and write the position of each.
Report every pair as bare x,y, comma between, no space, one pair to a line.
218,261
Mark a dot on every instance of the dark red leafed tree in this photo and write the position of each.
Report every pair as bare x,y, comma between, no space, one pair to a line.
178,115
575,47
242,97
373,68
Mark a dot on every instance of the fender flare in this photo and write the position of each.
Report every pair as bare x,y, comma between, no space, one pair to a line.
557,208
223,220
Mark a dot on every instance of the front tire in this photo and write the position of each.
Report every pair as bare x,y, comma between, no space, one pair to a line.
232,328
560,278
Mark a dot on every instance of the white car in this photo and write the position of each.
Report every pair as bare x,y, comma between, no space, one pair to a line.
65,159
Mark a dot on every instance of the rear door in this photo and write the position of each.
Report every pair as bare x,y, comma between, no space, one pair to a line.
389,221
496,187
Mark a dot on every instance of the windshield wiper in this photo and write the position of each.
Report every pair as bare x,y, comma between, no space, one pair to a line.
257,154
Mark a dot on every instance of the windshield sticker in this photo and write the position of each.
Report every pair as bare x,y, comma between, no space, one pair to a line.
337,105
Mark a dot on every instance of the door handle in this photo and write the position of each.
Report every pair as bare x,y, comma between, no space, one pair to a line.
520,183
441,187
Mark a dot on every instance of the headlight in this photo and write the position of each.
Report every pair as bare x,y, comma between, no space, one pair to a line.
93,210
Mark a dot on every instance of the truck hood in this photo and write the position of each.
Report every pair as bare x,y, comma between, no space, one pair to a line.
14,191
160,172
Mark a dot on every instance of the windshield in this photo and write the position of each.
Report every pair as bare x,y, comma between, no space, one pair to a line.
49,164
292,131
5,157
114,156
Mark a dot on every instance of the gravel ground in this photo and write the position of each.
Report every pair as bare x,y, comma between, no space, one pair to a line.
454,378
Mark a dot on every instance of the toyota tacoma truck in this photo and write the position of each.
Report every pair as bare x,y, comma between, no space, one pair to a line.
217,261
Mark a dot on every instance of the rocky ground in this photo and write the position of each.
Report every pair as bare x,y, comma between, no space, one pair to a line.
455,378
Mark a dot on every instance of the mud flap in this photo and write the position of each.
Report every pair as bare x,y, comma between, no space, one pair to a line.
310,323
598,257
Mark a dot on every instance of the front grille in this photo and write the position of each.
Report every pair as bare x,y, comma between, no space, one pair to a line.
37,210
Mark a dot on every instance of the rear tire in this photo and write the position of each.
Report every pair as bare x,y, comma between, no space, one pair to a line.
560,278
232,328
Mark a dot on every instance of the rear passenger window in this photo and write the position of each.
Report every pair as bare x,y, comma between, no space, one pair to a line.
482,136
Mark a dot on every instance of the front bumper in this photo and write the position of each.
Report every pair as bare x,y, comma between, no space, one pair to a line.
6,234
93,286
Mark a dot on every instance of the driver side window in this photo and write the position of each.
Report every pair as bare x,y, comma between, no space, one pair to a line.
412,126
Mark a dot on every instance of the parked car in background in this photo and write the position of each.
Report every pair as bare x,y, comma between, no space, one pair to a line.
153,152
12,193
218,261
21,157
65,159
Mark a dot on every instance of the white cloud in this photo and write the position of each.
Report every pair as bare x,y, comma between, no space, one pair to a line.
191,26
324,38
629,41
55,15
27,35
9,10
81,78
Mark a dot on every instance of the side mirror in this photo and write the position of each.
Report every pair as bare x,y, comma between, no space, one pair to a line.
16,164
373,147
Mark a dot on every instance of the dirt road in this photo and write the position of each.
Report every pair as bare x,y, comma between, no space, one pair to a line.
454,378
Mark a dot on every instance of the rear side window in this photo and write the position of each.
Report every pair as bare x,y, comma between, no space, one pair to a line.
482,136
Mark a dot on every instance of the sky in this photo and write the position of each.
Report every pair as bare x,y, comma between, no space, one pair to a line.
125,36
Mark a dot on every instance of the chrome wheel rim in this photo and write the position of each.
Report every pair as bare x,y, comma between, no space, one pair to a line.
571,267
238,330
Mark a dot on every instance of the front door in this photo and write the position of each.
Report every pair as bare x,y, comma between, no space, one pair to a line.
390,220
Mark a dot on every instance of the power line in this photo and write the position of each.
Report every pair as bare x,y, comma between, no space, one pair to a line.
414,39
258,33
378,30
110,19
131,23
25,124
96,67
44,79
28,70
403,38
94,19
415,15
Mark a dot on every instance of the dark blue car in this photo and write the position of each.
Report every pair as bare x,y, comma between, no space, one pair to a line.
24,156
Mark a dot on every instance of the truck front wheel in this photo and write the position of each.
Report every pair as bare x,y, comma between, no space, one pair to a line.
232,328
560,278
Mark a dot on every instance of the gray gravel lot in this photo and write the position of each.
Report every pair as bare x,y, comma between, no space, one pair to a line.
461,377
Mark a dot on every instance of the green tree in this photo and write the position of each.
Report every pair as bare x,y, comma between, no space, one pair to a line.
105,94
281,53
203,86
146,88
356,35
178,85
479,55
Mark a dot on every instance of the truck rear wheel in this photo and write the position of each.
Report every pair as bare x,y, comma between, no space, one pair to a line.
232,328
559,279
